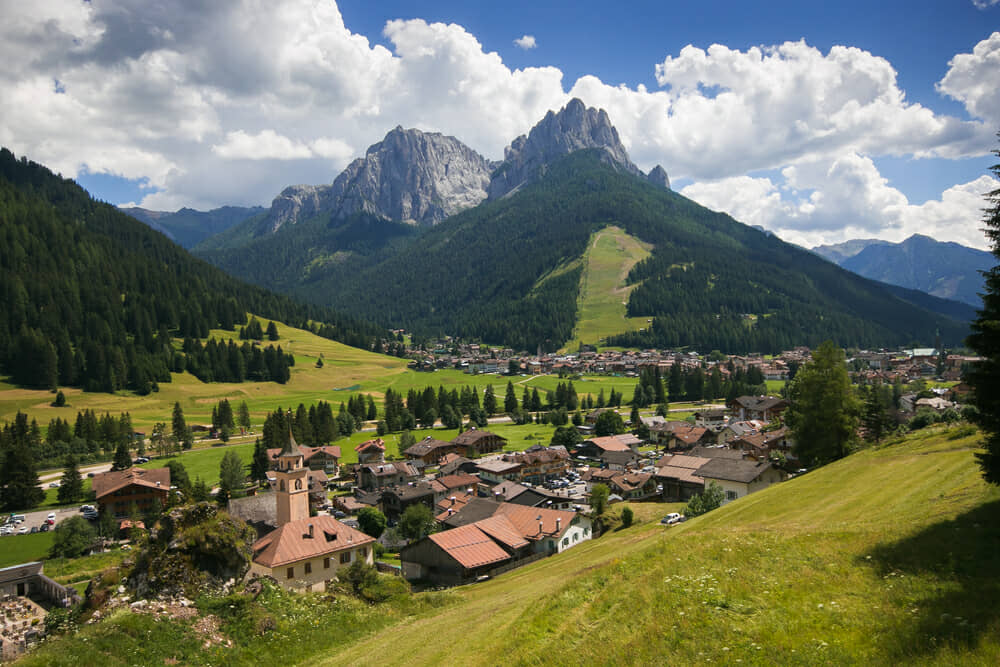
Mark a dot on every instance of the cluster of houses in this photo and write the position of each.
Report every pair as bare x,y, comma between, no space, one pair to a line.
495,509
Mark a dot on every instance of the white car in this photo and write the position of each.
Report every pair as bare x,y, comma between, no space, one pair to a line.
23,530
671,519
52,515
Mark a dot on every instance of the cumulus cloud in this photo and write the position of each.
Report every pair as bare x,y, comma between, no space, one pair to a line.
846,197
985,4
175,92
974,79
266,145
526,42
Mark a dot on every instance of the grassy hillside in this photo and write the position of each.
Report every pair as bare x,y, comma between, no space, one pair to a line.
611,254
887,557
343,367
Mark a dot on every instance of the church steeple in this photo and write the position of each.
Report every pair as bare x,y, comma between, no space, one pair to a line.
293,483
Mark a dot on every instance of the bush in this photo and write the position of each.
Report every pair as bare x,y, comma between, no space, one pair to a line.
371,521
627,517
706,501
73,538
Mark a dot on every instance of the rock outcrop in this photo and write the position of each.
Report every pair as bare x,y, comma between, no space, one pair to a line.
574,128
411,176
658,176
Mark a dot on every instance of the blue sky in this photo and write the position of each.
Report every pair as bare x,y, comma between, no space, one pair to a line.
820,121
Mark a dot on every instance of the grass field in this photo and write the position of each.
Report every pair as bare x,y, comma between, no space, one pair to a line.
345,371
886,557
16,549
611,254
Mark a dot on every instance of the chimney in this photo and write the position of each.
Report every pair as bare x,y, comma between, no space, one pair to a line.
452,499
450,511
540,530
157,484
558,524
310,530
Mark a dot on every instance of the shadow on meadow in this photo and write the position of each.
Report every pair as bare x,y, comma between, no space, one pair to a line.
962,605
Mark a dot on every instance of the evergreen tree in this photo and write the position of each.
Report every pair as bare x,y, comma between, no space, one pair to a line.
232,476
260,463
510,399
272,331
985,340
18,479
123,459
71,486
489,401
244,417
875,416
823,413
180,430
179,477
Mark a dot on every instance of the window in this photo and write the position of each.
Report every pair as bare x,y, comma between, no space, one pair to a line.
309,568
326,563
565,541
291,573
730,495
345,557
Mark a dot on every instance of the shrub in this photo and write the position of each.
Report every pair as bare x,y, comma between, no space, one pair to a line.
706,501
627,517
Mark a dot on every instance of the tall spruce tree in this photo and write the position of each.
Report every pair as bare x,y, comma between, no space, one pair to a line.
180,430
123,460
71,486
510,399
823,413
985,339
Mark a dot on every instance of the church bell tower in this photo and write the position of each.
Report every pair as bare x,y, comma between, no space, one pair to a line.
293,484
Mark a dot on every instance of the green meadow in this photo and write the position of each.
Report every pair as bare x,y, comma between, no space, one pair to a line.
886,557
611,253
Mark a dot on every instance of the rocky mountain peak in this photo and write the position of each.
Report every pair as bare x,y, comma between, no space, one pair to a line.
575,127
410,176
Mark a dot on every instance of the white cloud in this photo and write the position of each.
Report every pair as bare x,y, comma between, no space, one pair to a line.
974,79
985,4
177,93
526,42
266,145
827,201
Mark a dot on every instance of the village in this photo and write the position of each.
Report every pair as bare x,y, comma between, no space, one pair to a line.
490,508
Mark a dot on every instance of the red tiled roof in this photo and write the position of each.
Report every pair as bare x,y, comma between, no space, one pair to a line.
469,546
458,481
526,520
291,543
501,529
377,443
109,482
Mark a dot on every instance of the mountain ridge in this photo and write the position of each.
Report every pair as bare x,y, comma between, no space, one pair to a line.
943,269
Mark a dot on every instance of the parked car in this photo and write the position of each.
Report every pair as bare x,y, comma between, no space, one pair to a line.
671,519
23,530
52,515
90,474
35,529
44,528
54,485
87,508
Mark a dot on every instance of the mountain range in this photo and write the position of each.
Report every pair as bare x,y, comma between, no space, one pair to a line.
943,269
188,227
425,234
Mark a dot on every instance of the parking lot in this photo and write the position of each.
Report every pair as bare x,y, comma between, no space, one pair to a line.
39,517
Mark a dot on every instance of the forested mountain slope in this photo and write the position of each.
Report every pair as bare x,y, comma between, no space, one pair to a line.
89,296
494,273
188,227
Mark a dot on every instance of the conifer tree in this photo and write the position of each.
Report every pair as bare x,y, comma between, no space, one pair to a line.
123,460
510,399
489,401
823,413
985,339
71,486
179,428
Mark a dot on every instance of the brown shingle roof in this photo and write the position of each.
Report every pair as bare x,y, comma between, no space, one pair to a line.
109,482
609,443
472,436
291,543
469,546
377,443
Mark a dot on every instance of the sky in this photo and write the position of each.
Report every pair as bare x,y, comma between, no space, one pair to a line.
819,121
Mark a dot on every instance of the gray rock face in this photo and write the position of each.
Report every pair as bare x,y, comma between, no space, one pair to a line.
574,128
296,202
410,176
658,176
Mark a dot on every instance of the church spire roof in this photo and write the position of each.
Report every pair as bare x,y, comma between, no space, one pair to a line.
291,447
